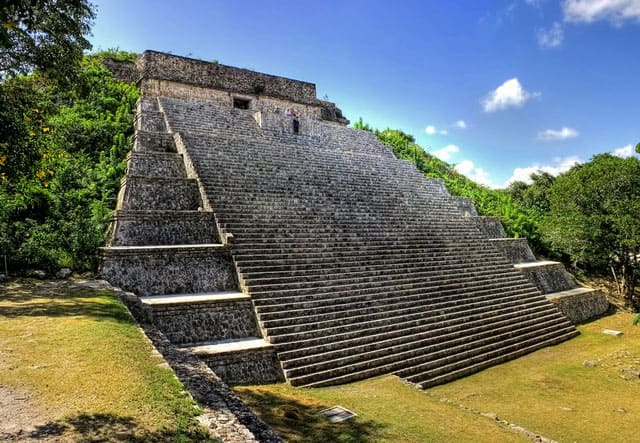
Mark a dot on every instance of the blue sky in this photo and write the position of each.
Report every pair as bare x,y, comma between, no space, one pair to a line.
499,88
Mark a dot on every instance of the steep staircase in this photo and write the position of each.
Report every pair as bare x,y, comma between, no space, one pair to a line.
576,302
165,247
353,262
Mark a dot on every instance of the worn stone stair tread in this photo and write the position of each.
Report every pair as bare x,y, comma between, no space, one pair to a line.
229,346
223,296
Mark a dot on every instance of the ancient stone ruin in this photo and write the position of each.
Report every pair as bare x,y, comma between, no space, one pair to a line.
313,256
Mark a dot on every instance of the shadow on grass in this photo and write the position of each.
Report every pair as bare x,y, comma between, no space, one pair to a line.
60,300
297,422
105,427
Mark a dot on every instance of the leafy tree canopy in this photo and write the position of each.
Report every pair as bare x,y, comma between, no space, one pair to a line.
48,35
594,216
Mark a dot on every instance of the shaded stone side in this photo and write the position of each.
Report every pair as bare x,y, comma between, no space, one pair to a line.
149,121
140,228
516,250
198,322
549,277
167,271
156,65
490,226
248,367
144,193
155,164
580,306
144,141
465,205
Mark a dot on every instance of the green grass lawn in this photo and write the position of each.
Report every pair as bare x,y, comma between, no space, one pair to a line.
551,392
85,369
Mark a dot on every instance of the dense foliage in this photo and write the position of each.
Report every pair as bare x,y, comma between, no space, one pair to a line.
594,217
517,220
62,154
47,35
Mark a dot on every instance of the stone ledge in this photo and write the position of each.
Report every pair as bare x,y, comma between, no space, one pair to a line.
580,304
225,347
209,297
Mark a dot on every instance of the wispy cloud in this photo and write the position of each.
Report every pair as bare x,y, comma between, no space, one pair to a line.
557,166
588,11
625,151
510,94
430,129
557,134
552,37
445,153
479,175
460,124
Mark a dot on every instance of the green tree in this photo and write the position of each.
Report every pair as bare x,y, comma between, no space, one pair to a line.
594,217
47,35
534,196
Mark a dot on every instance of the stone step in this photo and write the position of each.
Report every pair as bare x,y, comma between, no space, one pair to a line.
286,308
420,353
308,262
350,274
498,346
308,344
352,279
169,269
392,306
145,193
303,331
150,121
437,326
493,357
547,276
155,164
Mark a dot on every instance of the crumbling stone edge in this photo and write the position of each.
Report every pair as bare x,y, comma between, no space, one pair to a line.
225,414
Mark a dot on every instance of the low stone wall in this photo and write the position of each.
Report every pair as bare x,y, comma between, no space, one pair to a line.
198,322
247,367
581,307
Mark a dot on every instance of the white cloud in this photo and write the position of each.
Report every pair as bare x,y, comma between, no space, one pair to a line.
509,94
461,124
625,151
560,134
558,166
588,11
479,175
433,130
445,153
552,37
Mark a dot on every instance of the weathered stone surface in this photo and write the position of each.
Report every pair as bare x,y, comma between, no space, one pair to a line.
166,270
145,193
516,250
581,304
37,273
490,226
197,322
248,367
153,141
465,205
547,276
4,278
156,164
139,228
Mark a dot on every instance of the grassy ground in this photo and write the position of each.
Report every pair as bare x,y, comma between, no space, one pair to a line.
551,392
74,367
